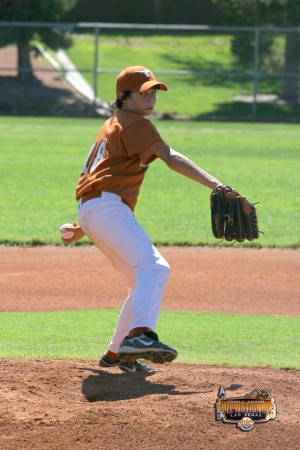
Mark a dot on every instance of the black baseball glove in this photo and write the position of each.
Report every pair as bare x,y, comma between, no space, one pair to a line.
233,217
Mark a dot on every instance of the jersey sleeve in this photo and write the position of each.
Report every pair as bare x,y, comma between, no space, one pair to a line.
139,138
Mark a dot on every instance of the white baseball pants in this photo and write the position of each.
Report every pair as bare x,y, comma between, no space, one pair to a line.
111,225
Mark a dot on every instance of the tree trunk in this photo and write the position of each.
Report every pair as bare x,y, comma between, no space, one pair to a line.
25,72
290,83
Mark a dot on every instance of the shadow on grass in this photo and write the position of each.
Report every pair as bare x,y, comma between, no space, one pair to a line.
37,99
265,112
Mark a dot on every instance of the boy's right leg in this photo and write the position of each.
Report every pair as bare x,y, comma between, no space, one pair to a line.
112,227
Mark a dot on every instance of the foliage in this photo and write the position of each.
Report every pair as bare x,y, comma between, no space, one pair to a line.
31,11
260,12
284,13
243,48
137,11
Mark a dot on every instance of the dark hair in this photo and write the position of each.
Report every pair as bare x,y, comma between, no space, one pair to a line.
118,102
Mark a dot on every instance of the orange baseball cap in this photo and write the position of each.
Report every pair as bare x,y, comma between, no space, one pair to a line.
137,79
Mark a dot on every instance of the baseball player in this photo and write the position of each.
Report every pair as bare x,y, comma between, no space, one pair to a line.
107,192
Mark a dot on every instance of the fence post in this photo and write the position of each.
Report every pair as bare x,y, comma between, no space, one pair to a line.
255,72
95,75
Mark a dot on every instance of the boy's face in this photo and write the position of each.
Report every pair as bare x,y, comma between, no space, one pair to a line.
141,103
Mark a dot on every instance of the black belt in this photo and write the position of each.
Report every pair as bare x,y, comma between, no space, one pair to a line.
96,194
90,196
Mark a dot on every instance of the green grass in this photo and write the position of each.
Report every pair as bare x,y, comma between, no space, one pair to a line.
162,53
208,95
42,158
200,338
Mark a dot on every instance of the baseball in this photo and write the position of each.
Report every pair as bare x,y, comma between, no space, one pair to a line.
66,234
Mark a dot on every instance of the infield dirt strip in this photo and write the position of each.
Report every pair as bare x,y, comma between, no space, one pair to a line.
72,404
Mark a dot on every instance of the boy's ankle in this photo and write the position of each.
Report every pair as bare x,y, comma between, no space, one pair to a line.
138,330
111,355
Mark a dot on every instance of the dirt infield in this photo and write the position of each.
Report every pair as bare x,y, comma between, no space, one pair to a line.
76,405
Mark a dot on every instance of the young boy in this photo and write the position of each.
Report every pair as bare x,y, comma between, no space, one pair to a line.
107,192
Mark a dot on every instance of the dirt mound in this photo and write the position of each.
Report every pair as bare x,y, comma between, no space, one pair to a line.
67,405
74,405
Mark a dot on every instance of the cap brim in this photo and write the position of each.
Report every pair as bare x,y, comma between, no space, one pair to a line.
150,84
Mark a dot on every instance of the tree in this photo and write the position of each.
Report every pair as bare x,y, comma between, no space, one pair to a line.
282,13
31,11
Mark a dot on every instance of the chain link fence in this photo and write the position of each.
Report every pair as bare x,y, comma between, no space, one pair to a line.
231,73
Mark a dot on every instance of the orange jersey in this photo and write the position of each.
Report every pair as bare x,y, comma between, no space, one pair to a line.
119,157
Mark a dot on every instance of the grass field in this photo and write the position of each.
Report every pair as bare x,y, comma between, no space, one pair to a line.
206,338
42,159
206,95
